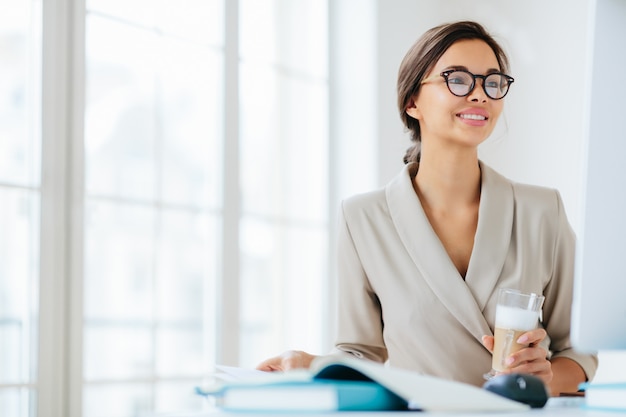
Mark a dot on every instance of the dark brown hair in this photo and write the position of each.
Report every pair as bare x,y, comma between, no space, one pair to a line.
420,60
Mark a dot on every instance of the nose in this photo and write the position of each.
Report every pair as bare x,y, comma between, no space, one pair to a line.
478,94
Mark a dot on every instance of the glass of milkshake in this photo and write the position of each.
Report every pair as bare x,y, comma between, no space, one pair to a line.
516,313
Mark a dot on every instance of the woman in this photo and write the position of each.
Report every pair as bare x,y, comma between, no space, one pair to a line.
420,262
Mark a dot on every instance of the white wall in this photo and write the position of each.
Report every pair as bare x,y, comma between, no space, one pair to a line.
541,131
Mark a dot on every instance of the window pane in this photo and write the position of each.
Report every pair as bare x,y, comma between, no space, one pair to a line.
261,294
153,144
122,303
303,37
122,400
284,271
187,265
134,12
197,20
284,127
20,159
191,116
19,263
20,93
117,350
258,33
180,349
120,113
17,402
284,178
260,141
290,34
119,251
150,97
176,396
306,269
305,126
284,146
135,399
119,254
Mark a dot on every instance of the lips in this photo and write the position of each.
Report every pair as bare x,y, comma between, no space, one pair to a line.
474,117
474,114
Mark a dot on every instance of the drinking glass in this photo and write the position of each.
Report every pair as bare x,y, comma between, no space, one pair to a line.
516,313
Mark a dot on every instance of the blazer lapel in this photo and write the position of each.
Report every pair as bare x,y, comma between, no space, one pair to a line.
493,235
463,299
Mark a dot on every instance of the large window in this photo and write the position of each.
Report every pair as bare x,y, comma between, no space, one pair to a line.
20,158
161,219
152,202
284,175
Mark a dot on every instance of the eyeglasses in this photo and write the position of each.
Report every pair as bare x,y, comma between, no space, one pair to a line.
461,83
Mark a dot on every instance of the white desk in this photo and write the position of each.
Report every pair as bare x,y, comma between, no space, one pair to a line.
556,407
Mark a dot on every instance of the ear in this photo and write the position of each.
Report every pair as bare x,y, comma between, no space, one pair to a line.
412,110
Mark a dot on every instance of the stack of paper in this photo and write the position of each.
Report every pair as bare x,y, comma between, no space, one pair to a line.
606,397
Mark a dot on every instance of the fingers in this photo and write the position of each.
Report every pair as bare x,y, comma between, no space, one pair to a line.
531,360
540,368
270,365
529,355
533,352
488,342
291,359
532,337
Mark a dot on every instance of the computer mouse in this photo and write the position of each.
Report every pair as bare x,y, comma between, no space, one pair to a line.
524,388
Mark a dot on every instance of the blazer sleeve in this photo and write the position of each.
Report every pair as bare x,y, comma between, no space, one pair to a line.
559,295
359,317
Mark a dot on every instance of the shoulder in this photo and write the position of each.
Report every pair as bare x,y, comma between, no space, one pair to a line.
534,198
538,200
537,196
398,191
538,214
369,202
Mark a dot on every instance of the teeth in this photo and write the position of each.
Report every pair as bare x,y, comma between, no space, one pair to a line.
472,116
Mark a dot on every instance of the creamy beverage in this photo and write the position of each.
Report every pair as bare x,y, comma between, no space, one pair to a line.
511,323
516,314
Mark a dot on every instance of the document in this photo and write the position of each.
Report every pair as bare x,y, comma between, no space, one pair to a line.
345,383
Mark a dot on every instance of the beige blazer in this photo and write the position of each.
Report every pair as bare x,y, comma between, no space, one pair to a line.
402,300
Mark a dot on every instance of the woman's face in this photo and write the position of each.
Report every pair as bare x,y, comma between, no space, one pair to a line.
449,120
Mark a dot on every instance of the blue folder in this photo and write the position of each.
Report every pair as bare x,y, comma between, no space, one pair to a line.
314,395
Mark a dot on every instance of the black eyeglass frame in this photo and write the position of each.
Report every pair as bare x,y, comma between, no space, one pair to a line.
446,74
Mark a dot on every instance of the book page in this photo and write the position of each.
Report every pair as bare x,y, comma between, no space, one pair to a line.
233,373
237,375
422,391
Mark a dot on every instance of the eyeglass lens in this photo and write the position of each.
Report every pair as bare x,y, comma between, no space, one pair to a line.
461,83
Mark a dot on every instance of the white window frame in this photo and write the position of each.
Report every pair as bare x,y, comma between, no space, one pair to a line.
227,349
60,312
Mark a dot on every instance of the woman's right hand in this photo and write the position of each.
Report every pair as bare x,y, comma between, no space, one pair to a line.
291,359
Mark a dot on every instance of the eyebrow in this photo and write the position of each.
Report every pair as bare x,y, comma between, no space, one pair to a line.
464,68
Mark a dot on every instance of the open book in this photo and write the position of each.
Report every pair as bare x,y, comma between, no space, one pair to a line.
345,383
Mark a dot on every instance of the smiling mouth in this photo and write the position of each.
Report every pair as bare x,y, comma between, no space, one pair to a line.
472,116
